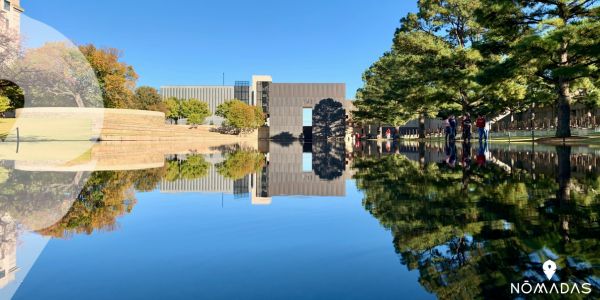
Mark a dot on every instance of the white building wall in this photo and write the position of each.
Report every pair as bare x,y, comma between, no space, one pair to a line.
10,19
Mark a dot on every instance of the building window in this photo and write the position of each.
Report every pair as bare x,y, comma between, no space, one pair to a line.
242,91
307,116
6,5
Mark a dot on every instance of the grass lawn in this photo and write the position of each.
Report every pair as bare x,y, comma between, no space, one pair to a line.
47,129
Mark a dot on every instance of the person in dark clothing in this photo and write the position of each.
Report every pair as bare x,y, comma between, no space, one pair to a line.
453,124
447,128
466,127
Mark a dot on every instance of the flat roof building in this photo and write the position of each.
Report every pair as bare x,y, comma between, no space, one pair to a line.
294,110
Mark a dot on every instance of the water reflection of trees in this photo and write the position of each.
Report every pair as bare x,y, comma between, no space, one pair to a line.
471,231
37,199
108,195
329,159
187,167
240,162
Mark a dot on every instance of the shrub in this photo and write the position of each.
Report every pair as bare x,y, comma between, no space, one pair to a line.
240,116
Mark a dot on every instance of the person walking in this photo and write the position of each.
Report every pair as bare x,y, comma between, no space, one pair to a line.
481,124
388,134
466,127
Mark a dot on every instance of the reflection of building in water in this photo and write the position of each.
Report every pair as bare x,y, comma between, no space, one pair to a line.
318,169
8,250
212,183
288,172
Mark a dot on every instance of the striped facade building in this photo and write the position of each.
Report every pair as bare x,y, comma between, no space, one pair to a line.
213,95
213,182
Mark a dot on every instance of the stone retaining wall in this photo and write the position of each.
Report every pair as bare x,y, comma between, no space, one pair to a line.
104,124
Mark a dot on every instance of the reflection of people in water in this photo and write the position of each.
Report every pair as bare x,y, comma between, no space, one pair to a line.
388,146
466,157
466,163
481,159
451,153
461,249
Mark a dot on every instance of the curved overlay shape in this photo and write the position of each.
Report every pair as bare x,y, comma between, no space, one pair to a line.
61,115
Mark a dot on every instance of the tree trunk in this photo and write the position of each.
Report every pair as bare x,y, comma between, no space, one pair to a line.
421,126
563,128
79,101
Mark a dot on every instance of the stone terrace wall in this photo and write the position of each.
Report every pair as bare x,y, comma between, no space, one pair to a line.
78,124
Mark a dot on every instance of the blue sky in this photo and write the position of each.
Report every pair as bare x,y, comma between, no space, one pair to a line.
194,42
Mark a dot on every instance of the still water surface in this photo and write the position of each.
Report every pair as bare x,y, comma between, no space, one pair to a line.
322,221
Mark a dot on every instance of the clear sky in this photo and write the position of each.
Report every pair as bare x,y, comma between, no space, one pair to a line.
194,42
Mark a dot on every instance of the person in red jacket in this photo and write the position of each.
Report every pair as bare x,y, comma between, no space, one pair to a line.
480,123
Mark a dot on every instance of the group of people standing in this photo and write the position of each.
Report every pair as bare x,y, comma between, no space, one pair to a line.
451,125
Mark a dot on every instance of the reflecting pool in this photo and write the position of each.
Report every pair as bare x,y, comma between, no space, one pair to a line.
295,221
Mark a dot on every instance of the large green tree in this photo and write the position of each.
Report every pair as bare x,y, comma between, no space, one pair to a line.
456,64
555,44
436,65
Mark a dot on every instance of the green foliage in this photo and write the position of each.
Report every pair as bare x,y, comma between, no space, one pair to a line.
553,45
488,57
195,111
4,104
173,109
13,92
240,116
146,98
193,167
241,163
434,67
471,230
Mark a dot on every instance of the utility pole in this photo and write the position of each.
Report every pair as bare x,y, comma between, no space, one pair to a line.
223,78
